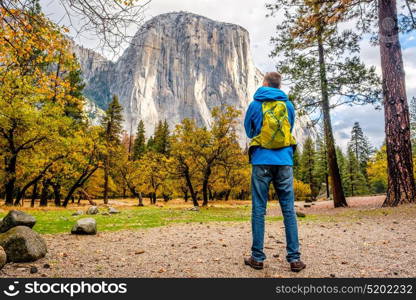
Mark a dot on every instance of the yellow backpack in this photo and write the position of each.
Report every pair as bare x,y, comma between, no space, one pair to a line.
275,131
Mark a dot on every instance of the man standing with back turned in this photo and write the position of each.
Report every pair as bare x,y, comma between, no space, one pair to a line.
269,122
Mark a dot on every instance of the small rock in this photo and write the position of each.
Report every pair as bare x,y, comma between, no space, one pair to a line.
78,213
3,257
112,210
33,270
300,214
16,218
85,226
22,244
195,208
92,210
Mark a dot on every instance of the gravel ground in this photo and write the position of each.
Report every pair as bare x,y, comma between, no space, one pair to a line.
379,244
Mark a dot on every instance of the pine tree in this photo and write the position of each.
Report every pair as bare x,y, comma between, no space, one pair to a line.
343,165
412,114
357,184
307,167
113,125
161,138
139,147
383,20
360,146
150,146
166,138
74,108
322,174
309,45
296,166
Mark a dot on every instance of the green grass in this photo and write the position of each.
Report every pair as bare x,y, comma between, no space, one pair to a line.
60,220
52,220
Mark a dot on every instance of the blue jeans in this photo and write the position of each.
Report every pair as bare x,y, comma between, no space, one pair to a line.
282,179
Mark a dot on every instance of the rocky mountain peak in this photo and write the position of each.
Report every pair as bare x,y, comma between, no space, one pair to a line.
178,65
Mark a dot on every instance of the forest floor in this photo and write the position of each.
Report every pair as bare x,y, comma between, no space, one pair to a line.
169,240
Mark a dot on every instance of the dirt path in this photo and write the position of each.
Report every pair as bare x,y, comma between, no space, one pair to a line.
379,245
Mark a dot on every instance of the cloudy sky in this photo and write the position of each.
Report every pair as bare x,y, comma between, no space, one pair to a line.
251,15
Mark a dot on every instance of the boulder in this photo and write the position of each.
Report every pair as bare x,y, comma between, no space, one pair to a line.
300,214
16,218
112,210
78,213
22,244
3,257
85,226
92,210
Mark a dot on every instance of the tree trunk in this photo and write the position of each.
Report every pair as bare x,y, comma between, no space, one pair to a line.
327,186
205,181
34,194
140,199
191,189
106,170
10,171
211,196
401,185
227,195
57,193
80,181
185,195
84,194
337,191
152,198
45,193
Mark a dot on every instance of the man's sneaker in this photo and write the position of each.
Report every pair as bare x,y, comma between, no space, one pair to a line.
297,266
249,261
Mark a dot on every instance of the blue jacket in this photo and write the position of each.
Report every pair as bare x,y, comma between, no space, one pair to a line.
254,120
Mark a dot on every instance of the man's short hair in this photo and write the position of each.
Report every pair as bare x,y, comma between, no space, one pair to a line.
274,79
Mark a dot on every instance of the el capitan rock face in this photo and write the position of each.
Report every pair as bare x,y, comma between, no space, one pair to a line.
179,65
